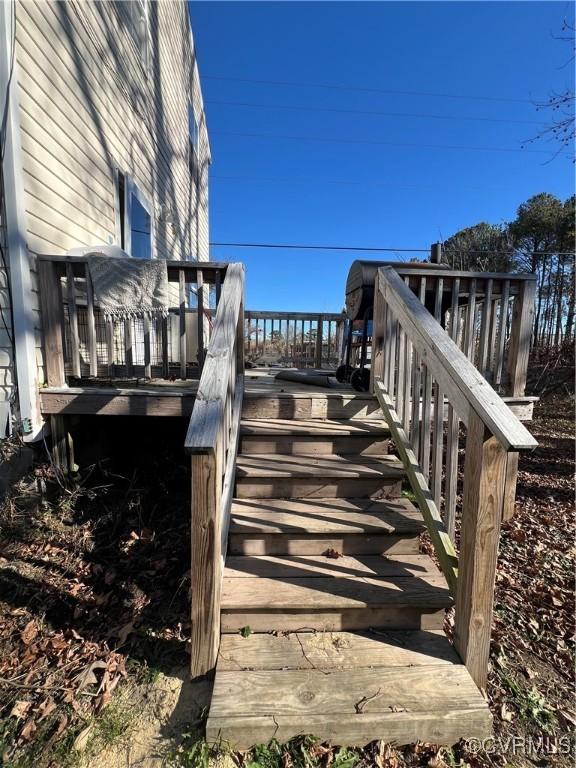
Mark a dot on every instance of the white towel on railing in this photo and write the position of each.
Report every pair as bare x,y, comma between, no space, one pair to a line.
125,288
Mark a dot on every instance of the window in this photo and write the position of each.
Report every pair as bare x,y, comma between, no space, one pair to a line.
194,144
135,13
140,229
134,225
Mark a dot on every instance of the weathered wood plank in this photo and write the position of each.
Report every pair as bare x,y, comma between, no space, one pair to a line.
212,391
73,320
206,564
52,323
331,651
519,347
484,478
439,703
320,566
92,349
303,544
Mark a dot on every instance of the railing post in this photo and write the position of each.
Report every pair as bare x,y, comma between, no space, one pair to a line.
205,573
484,482
378,331
319,334
240,341
52,323
520,334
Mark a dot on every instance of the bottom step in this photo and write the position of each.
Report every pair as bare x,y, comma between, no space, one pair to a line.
345,688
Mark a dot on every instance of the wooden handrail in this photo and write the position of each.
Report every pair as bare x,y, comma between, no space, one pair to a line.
460,380
206,418
416,368
212,441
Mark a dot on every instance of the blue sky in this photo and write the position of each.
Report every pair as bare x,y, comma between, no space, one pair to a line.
325,172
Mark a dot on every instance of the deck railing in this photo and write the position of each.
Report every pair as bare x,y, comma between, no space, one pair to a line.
489,315
81,344
212,441
427,386
294,339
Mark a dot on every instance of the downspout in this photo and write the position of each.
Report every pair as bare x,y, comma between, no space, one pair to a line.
26,373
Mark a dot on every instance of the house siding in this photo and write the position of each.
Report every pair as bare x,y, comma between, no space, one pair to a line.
88,106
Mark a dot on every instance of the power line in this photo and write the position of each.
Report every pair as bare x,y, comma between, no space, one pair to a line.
366,89
326,140
373,113
377,249
320,247
344,182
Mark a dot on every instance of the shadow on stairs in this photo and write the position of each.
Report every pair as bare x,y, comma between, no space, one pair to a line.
345,617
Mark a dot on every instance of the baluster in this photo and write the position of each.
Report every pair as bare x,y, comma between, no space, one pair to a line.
519,348
502,332
73,319
201,334
426,413
128,346
319,335
147,355
470,330
452,433
182,323
92,348
164,337
485,328
110,346
438,435
378,335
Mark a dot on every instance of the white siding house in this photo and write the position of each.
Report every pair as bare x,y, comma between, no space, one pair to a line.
105,143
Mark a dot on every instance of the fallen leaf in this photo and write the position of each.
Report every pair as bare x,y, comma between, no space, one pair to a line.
81,741
28,730
333,554
20,709
46,707
29,633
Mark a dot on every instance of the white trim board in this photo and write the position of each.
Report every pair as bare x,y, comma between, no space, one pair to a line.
26,373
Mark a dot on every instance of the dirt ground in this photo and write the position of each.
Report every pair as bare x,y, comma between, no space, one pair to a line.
94,586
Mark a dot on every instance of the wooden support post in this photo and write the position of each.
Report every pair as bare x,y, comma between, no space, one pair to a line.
206,565
52,323
164,337
521,332
319,334
59,443
484,480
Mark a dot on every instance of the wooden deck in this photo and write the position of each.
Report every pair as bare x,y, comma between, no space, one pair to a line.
265,397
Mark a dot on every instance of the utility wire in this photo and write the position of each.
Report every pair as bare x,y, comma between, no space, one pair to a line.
325,140
372,113
345,182
376,249
366,89
320,247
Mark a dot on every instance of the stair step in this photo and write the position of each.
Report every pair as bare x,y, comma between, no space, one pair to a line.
335,650
262,465
313,405
314,437
312,526
321,566
344,688
314,428
329,476
398,600
325,516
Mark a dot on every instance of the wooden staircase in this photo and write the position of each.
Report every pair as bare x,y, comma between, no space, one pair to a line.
331,620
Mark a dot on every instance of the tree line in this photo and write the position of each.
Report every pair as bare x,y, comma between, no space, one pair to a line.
541,240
